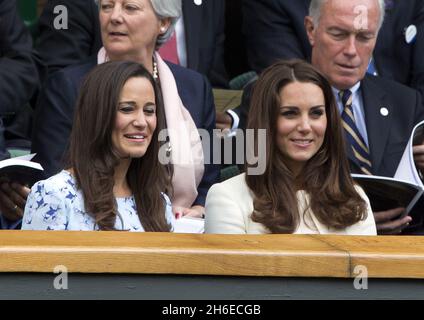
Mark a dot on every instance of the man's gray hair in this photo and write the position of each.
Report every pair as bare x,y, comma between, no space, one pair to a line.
316,5
165,9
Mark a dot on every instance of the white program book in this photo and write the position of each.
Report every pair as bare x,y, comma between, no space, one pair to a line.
21,169
405,189
407,170
189,225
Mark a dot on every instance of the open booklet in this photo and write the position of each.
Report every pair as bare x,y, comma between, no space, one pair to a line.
22,170
405,189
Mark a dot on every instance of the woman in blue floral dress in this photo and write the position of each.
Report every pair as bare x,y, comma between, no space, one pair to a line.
113,180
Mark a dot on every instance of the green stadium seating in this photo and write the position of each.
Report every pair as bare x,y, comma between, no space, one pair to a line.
28,12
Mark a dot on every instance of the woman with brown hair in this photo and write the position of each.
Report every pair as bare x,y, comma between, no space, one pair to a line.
306,186
113,180
133,30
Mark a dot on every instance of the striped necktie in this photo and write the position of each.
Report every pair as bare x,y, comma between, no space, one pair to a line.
354,138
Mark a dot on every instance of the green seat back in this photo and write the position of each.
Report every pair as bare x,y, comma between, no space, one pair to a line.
28,12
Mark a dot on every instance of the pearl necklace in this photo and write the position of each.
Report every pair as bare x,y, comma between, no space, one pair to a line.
155,70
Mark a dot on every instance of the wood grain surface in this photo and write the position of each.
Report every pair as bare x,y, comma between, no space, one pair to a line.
247,255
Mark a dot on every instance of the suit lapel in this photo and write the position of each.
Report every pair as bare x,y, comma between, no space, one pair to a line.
378,125
192,14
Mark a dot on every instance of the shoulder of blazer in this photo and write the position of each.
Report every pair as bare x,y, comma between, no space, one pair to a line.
388,87
183,73
74,74
236,186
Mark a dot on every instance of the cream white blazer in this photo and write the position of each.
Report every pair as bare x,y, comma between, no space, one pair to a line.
229,205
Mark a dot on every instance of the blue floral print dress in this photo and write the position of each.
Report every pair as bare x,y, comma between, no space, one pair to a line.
57,204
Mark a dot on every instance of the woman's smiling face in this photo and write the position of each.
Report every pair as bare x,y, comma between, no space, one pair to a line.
301,123
135,119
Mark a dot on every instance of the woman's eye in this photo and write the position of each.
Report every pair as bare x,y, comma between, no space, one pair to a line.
131,8
150,110
289,113
317,113
126,108
106,6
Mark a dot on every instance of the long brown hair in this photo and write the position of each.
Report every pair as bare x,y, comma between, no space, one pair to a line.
325,177
93,157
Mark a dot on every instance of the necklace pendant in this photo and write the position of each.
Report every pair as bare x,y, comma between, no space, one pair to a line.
168,150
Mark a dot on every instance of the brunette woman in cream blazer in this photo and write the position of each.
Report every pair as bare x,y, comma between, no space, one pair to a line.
306,186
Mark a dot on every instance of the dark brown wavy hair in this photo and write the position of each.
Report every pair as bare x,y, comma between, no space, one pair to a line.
325,177
93,157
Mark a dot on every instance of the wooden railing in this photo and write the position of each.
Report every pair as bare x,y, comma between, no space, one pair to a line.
198,254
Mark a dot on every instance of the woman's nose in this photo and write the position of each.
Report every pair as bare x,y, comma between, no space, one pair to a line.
140,120
116,15
304,124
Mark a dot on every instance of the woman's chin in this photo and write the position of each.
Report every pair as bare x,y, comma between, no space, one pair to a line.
134,155
116,50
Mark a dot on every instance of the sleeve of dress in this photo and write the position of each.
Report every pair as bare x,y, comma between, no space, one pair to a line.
169,215
45,208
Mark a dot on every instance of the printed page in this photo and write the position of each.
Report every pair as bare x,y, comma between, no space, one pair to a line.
27,157
406,169
387,193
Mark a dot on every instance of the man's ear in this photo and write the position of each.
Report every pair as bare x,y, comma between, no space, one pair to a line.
310,29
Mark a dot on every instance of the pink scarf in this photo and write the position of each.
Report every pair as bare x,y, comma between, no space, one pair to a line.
186,146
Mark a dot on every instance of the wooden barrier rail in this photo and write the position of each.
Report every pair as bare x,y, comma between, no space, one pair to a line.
223,255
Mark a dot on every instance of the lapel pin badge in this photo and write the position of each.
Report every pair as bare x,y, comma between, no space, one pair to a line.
410,34
198,2
384,111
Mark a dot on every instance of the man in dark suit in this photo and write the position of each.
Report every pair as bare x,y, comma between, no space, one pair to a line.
18,82
203,24
385,111
274,29
343,39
